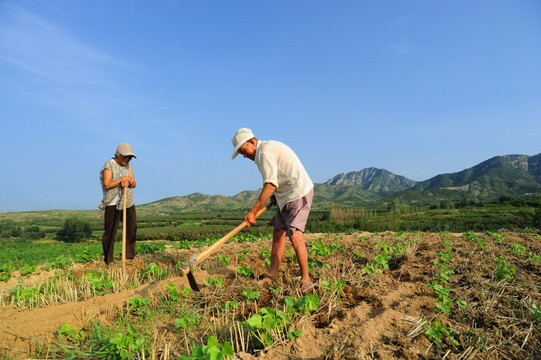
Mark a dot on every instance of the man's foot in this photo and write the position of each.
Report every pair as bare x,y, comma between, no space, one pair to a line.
264,279
307,286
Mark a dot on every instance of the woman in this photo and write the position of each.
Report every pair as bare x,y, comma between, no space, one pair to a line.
116,176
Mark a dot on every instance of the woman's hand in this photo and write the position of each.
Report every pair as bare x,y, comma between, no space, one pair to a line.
125,181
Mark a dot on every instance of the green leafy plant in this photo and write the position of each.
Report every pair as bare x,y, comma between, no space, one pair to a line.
149,248
67,333
215,282
535,258
174,293
60,262
212,351
228,305
518,249
504,271
242,256
154,271
398,249
332,287
25,296
85,256
438,334
139,306
251,295
313,263
443,302
304,304
536,312
320,250
27,270
446,256
478,240
187,321
379,263
500,238
244,270
265,254
99,282
267,326
445,273
5,272
461,303
357,255
222,259
126,346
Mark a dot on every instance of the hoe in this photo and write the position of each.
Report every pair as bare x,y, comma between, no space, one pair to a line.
187,269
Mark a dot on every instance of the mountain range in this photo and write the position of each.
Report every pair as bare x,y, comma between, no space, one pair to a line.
507,175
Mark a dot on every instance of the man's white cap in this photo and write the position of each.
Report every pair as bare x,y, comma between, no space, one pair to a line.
240,137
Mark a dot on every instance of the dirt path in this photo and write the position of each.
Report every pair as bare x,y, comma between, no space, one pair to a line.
20,327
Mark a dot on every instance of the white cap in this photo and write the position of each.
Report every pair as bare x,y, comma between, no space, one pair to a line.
125,149
240,137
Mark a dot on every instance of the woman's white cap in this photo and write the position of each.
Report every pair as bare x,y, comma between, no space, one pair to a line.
125,149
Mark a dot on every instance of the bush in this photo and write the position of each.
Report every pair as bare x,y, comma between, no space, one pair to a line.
9,229
33,233
74,230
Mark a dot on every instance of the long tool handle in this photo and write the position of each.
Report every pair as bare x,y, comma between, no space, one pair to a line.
124,231
205,254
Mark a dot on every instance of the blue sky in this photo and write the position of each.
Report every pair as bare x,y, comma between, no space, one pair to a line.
418,88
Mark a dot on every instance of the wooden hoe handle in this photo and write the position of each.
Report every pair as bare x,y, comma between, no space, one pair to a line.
124,231
205,254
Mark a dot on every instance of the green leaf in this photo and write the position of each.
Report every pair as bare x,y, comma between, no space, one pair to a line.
212,341
227,349
65,329
180,323
256,321
116,339
124,354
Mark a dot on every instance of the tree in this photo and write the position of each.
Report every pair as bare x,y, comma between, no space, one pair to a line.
74,230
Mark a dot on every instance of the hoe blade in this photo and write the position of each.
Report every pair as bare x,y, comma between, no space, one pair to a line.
191,280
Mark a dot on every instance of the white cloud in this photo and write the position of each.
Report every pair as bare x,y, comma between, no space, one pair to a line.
39,48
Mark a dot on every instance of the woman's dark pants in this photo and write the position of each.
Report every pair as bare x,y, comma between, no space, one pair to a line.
111,219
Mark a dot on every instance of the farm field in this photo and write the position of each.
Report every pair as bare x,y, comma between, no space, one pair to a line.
378,295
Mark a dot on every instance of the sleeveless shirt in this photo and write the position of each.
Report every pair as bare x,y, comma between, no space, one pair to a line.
109,196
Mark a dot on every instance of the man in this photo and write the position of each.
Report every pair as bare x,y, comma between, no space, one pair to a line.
116,176
288,183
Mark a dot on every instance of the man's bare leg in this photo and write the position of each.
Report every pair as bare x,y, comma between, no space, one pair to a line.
302,257
277,253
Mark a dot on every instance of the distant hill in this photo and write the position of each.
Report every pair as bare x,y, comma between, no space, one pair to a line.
378,181
510,175
328,195
199,202
325,196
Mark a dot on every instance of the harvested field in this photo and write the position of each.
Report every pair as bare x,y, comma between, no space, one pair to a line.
377,296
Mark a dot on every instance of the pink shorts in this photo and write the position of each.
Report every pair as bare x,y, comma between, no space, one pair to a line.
293,215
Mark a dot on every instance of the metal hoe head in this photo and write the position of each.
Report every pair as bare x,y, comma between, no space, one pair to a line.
191,278
197,258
